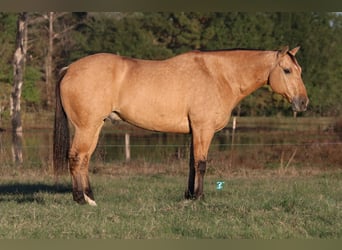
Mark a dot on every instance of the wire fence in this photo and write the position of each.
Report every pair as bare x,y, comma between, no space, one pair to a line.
248,150
263,143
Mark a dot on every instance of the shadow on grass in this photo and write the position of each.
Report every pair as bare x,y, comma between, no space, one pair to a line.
30,192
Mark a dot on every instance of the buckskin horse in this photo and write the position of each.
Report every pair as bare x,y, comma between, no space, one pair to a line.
194,93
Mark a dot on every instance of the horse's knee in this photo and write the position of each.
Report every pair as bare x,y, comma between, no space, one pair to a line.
74,160
202,166
78,162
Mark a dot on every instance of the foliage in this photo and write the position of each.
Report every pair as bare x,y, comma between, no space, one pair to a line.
159,35
7,40
31,91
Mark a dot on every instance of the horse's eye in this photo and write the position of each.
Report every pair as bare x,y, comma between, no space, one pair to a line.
287,71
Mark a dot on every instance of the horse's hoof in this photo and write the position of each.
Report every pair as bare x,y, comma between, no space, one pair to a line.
90,201
189,196
79,197
201,197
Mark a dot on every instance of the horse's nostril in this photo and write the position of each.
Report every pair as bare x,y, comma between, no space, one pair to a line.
303,104
300,103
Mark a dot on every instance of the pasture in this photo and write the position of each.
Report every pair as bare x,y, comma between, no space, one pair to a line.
284,183
266,205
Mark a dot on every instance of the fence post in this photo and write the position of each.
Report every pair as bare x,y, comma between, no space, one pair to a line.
127,147
232,144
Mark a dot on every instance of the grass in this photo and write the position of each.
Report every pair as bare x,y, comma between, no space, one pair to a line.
151,206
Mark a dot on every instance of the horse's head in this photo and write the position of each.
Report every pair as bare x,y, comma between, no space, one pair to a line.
285,79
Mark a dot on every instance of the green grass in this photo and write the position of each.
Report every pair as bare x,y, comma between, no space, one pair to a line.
151,206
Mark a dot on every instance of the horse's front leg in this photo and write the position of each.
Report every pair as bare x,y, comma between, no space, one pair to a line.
199,178
198,157
190,191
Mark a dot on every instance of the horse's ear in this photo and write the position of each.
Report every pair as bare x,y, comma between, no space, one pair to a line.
294,51
283,51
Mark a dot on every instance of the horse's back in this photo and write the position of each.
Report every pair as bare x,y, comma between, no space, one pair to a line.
163,95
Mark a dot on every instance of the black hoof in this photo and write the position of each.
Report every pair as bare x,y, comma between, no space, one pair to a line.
79,197
189,196
90,194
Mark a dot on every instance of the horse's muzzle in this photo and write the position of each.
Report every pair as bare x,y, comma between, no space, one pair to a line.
300,103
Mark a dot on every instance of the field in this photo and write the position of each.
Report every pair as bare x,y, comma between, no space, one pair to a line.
150,206
273,190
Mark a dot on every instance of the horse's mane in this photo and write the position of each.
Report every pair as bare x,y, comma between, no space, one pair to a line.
232,49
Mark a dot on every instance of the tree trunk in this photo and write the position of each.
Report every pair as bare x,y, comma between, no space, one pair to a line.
48,62
18,80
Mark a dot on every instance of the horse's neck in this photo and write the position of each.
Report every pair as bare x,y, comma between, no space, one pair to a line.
250,71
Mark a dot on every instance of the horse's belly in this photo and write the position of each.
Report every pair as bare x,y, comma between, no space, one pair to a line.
157,121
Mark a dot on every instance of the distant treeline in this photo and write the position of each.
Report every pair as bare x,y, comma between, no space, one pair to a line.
159,35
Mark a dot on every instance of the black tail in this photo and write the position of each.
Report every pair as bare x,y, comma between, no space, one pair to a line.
61,136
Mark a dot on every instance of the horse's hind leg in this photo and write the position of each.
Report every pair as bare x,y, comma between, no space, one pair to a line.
83,145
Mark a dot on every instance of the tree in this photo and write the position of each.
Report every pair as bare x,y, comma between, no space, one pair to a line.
8,27
18,70
18,80
63,28
48,61
54,28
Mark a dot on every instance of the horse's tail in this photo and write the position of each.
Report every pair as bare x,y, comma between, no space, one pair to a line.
61,136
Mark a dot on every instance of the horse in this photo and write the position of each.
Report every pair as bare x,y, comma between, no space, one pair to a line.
194,92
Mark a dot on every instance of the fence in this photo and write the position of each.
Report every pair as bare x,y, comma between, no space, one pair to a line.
230,148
